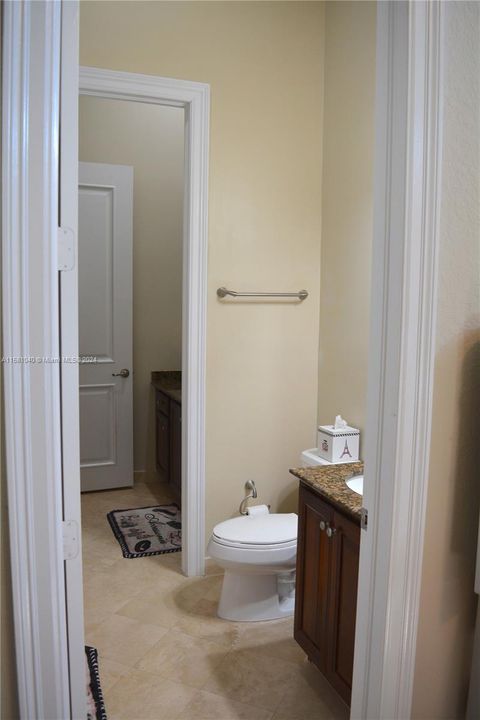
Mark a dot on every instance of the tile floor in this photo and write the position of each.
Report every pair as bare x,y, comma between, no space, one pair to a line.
163,653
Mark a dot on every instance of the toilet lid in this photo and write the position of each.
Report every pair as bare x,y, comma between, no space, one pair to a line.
259,529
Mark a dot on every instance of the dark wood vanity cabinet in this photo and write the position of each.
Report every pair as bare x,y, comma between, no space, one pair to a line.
175,475
162,437
326,595
168,422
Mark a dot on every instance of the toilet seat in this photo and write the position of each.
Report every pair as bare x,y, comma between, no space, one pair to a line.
254,546
262,531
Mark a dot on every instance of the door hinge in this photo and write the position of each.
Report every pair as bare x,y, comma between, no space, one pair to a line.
66,249
70,539
364,518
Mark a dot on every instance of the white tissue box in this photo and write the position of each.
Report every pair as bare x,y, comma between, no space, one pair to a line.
338,446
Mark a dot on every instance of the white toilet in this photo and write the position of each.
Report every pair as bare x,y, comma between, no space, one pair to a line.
258,553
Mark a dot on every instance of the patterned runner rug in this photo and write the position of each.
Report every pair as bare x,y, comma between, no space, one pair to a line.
95,704
147,531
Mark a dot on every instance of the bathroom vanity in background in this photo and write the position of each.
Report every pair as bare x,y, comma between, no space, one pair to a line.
328,552
168,427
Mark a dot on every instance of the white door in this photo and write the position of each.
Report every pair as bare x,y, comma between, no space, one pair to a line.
105,210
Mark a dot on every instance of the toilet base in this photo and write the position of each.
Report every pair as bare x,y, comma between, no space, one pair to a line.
251,598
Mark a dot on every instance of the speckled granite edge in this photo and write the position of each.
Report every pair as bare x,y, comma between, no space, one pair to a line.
168,382
328,481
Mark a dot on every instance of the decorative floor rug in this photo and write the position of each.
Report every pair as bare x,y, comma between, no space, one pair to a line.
147,531
95,704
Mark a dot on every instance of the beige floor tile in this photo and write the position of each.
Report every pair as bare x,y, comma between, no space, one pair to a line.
164,653
124,640
195,590
111,671
184,659
165,601
247,674
211,567
306,695
207,706
103,593
274,639
202,622
142,696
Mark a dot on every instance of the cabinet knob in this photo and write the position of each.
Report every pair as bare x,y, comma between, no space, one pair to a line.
331,531
323,525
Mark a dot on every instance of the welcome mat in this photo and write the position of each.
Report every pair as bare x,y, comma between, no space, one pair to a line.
95,703
147,531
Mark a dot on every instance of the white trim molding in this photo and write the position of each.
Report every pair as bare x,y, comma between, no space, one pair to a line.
195,99
402,348
31,76
68,283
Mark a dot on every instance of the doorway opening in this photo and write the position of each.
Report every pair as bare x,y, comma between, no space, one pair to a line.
130,293
131,166
174,298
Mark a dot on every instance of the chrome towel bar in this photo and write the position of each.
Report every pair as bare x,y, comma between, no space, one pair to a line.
223,292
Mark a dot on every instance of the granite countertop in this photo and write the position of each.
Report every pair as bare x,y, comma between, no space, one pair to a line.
168,382
328,481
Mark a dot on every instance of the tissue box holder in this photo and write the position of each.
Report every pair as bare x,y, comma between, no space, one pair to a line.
338,446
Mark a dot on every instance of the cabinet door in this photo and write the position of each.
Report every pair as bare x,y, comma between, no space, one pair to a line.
176,448
343,604
163,443
313,562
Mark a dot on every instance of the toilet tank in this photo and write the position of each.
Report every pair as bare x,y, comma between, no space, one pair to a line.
309,458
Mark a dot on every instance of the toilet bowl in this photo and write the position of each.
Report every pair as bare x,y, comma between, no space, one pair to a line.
258,553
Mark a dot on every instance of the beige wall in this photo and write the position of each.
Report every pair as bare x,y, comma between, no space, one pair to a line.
264,62
347,210
150,138
447,599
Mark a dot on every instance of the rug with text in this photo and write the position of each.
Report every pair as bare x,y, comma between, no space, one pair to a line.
147,531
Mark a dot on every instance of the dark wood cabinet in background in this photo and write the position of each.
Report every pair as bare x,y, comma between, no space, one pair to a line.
326,594
163,444
168,418
175,478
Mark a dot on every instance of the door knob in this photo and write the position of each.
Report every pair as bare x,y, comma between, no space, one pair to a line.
123,373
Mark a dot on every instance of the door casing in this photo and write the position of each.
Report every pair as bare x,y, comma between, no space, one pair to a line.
194,98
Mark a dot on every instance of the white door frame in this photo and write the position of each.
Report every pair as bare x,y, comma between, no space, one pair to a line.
195,99
408,145
408,141
30,138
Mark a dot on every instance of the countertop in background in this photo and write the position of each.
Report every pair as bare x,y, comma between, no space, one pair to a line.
168,382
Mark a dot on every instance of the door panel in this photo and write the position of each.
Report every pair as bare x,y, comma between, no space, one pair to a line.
313,562
97,423
343,607
105,199
96,227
